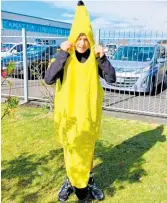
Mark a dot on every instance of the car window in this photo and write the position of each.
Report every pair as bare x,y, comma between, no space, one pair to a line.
35,49
130,53
111,46
28,45
18,48
47,50
53,50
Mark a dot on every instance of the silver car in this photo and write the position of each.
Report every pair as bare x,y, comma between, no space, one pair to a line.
139,68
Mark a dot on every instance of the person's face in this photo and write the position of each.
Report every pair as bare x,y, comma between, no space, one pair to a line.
82,44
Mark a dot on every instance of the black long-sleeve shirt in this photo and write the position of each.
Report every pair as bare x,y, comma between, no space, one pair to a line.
56,69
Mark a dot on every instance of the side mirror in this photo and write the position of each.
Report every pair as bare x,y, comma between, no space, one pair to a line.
14,51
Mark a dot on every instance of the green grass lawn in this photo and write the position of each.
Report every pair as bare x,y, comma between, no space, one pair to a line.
130,160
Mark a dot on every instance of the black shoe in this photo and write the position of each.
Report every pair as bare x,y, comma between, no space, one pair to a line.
65,191
94,190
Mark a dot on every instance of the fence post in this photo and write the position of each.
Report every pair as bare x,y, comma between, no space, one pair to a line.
25,68
97,36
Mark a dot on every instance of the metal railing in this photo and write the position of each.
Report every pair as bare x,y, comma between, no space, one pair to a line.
139,59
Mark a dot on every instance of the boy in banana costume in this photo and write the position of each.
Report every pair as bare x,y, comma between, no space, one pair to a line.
78,103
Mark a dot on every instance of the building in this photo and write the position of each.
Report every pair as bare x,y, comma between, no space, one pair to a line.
12,24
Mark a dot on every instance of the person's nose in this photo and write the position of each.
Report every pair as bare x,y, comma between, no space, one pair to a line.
82,42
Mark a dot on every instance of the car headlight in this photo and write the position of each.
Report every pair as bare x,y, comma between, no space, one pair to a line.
146,68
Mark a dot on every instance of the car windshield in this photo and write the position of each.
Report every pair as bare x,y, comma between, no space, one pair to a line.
35,49
111,46
6,47
134,53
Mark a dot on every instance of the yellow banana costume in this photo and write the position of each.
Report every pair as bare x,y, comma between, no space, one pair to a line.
78,106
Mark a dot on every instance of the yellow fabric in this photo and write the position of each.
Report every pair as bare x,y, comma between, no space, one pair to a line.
78,108
81,24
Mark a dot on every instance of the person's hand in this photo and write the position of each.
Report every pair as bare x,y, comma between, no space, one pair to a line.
99,50
65,46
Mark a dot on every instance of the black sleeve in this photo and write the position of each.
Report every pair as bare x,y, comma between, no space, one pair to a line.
56,70
106,70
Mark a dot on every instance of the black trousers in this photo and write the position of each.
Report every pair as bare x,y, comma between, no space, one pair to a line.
81,193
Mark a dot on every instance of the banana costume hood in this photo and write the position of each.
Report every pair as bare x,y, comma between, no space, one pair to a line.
78,105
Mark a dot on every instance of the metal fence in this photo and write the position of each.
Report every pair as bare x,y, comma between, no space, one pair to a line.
139,59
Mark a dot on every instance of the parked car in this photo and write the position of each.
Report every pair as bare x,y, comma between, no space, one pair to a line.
38,57
139,68
9,49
